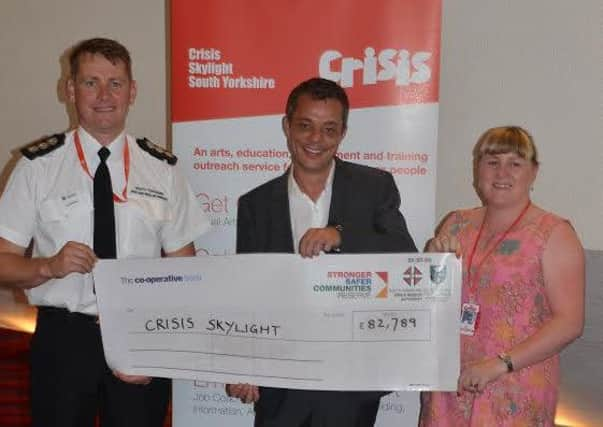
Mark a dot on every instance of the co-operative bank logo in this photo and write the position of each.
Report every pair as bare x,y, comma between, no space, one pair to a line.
160,279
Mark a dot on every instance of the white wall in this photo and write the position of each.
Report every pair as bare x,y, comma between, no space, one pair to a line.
538,64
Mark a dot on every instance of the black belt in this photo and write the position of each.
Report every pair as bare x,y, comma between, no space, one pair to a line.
59,311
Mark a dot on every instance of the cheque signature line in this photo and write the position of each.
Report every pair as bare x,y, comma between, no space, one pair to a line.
239,374
392,339
210,353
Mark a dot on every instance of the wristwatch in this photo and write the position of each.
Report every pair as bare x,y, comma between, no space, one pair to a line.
506,359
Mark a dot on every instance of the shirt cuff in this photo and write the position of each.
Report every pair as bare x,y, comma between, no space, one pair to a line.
15,237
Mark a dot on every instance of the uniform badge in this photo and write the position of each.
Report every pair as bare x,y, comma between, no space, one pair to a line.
156,151
43,146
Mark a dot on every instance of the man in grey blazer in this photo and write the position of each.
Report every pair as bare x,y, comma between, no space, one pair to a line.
321,204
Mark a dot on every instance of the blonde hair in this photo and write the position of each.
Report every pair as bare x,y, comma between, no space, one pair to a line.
506,139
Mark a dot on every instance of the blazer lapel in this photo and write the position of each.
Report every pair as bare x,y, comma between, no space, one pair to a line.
338,194
281,235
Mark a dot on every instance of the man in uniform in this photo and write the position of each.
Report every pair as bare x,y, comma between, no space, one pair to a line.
94,192
321,204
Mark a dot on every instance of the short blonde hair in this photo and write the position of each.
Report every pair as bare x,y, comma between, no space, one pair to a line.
506,139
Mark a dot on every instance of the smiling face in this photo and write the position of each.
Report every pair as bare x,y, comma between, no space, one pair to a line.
102,93
504,180
314,131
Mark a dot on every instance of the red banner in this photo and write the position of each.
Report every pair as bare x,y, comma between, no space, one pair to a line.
227,65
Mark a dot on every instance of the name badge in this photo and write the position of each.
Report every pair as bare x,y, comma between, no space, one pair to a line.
469,316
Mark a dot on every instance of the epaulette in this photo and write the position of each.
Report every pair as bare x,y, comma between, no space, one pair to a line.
43,146
156,151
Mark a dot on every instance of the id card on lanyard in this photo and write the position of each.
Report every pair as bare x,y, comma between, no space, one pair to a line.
469,316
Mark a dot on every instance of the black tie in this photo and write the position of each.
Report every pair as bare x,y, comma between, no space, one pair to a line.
104,214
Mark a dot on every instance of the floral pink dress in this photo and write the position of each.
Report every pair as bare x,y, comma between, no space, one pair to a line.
513,305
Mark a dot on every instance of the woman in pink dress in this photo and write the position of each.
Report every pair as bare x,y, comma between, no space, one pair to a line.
522,297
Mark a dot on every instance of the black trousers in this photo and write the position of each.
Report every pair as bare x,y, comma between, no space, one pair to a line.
71,382
303,408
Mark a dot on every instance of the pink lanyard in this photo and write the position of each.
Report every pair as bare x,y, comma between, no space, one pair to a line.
489,252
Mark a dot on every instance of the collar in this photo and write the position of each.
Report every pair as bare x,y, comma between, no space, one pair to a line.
91,146
295,190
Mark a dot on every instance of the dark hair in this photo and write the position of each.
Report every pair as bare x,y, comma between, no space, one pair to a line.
319,89
112,50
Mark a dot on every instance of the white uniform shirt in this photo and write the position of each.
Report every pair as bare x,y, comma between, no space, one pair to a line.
50,199
304,212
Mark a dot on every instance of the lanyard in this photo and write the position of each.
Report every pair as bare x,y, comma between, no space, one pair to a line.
80,155
489,252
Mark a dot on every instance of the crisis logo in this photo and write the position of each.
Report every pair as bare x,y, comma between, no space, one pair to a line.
388,64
